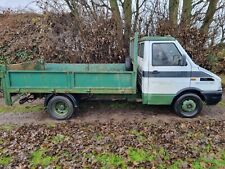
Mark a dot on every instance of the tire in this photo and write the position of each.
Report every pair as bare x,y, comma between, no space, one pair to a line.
60,108
188,105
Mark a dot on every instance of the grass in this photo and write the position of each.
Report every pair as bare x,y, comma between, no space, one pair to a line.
110,160
59,138
222,103
21,109
51,125
139,155
163,153
98,137
136,156
39,158
7,127
139,135
5,160
215,161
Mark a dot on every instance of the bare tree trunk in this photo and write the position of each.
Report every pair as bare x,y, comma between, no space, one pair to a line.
209,16
72,4
173,11
136,16
127,18
118,20
186,12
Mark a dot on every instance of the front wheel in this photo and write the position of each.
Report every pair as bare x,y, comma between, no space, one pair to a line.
60,108
188,105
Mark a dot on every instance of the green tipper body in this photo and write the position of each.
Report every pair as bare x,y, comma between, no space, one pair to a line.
99,79
42,78
70,78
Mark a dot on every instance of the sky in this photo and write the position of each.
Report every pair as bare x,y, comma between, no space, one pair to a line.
18,4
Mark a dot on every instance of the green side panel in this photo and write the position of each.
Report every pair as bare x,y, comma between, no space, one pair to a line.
38,80
157,99
103,80
70,82
84,67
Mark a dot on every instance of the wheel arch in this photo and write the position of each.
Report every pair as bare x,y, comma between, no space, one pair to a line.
69,96
188,90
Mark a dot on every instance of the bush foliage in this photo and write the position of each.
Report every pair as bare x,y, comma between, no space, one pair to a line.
61,38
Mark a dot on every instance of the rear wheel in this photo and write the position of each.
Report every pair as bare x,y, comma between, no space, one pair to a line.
60,108
188,105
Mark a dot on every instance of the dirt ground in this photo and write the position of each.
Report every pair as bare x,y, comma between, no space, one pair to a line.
107,111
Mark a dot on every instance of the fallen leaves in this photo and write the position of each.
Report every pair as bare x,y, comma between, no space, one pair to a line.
115,145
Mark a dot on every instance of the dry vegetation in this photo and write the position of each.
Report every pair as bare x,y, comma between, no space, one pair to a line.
56,39
96,33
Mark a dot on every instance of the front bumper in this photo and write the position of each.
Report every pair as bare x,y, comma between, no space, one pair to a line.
212,98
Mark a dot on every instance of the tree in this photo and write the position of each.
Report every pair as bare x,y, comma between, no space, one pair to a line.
72,4
173,11
212,8
186,12
117,19
127,8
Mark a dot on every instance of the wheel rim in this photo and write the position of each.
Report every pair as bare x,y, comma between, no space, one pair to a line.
61,108
189,106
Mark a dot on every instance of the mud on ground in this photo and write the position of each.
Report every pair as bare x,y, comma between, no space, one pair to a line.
104,111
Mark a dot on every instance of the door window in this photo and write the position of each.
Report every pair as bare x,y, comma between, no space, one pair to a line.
166,54
141,50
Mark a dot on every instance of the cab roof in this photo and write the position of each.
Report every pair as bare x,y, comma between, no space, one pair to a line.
157,38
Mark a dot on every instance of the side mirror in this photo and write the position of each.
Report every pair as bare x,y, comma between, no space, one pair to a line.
183,60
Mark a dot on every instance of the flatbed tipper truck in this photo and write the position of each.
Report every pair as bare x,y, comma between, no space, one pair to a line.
158,71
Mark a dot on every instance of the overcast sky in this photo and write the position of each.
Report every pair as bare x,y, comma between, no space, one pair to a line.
17,4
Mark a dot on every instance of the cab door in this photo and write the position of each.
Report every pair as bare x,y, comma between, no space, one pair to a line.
167,74
143,65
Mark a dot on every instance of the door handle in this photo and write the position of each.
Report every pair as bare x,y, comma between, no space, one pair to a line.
155,72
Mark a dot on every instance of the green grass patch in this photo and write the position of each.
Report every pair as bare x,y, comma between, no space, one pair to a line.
208,163
110,160
163,153
222,103
39,158
7,127
98,137
59,138
51,125
67,154
139,155
139,134
21,109
176,165
5,160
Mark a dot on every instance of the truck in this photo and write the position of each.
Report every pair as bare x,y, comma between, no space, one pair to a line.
158,71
